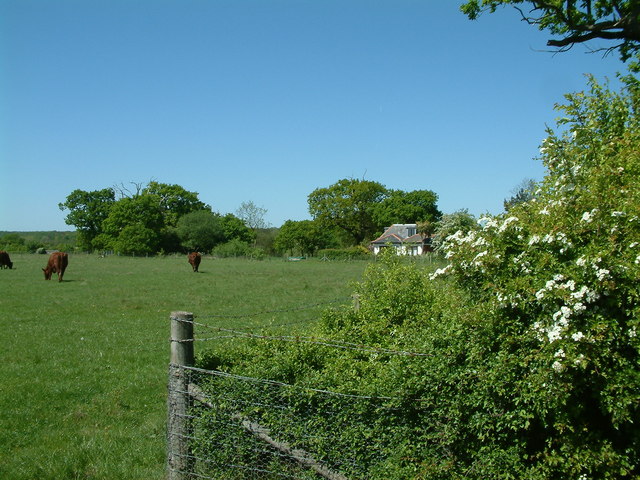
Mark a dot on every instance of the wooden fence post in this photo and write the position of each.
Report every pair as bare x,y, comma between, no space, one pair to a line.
356,302
178,457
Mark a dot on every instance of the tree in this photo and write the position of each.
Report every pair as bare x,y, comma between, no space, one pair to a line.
127,215
235,228
100,219
174,201
522,193
406,207
87,211
252,215
305,237
200,231
136,239
348,205
576,21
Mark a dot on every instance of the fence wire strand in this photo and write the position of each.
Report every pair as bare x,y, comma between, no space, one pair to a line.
244,427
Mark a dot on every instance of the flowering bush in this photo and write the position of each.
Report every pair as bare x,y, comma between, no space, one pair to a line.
520,358
561,273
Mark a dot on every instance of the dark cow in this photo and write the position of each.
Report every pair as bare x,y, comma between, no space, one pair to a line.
58,262
5,261
194,260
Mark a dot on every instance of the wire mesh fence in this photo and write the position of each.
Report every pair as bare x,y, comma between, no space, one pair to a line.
230,426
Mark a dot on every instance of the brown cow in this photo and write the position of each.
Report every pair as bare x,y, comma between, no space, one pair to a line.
5,261
194,260
58,262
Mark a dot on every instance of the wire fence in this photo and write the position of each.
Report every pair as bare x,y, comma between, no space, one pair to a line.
229,426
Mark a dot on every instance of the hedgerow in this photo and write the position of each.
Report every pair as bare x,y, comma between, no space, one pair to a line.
521,355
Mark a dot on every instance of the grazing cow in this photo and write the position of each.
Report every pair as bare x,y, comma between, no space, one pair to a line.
194,260
58,262
5,261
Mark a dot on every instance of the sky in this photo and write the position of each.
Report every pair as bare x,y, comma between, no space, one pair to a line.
265,101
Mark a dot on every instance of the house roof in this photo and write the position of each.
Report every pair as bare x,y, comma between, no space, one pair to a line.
398,234
390,238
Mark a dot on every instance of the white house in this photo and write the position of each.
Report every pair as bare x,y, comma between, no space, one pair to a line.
404,237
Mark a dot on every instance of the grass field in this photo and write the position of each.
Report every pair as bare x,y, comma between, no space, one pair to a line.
84,362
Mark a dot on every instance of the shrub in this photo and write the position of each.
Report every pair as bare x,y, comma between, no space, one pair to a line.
352,253
560,273
238,248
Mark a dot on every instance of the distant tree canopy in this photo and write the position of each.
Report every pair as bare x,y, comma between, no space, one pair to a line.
575,21
305,237
87,211
363,208
158,217
406,207
202,230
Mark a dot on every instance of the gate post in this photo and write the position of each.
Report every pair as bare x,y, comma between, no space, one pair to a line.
178,455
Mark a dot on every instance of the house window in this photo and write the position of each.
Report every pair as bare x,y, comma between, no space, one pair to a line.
411,231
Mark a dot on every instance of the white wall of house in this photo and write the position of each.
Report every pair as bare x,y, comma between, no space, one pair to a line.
400,249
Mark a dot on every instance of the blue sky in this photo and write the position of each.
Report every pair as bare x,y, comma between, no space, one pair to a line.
267,100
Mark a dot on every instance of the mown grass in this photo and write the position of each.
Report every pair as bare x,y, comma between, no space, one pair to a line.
84,362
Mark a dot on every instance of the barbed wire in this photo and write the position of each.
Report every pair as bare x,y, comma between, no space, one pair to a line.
265,381
249,427
315,341
237,432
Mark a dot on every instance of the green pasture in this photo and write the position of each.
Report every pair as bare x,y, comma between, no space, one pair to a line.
84,362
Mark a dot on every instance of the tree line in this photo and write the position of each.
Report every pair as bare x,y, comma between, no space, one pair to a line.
155,218
167,218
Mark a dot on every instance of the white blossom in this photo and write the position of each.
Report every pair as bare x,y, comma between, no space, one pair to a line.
602,274
557,366
489,223
439,272
554,333
577,336
587,217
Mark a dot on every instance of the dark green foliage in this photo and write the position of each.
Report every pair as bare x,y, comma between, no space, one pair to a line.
200,231
87,211
304,237
406,207
140,223
348,205
575,22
